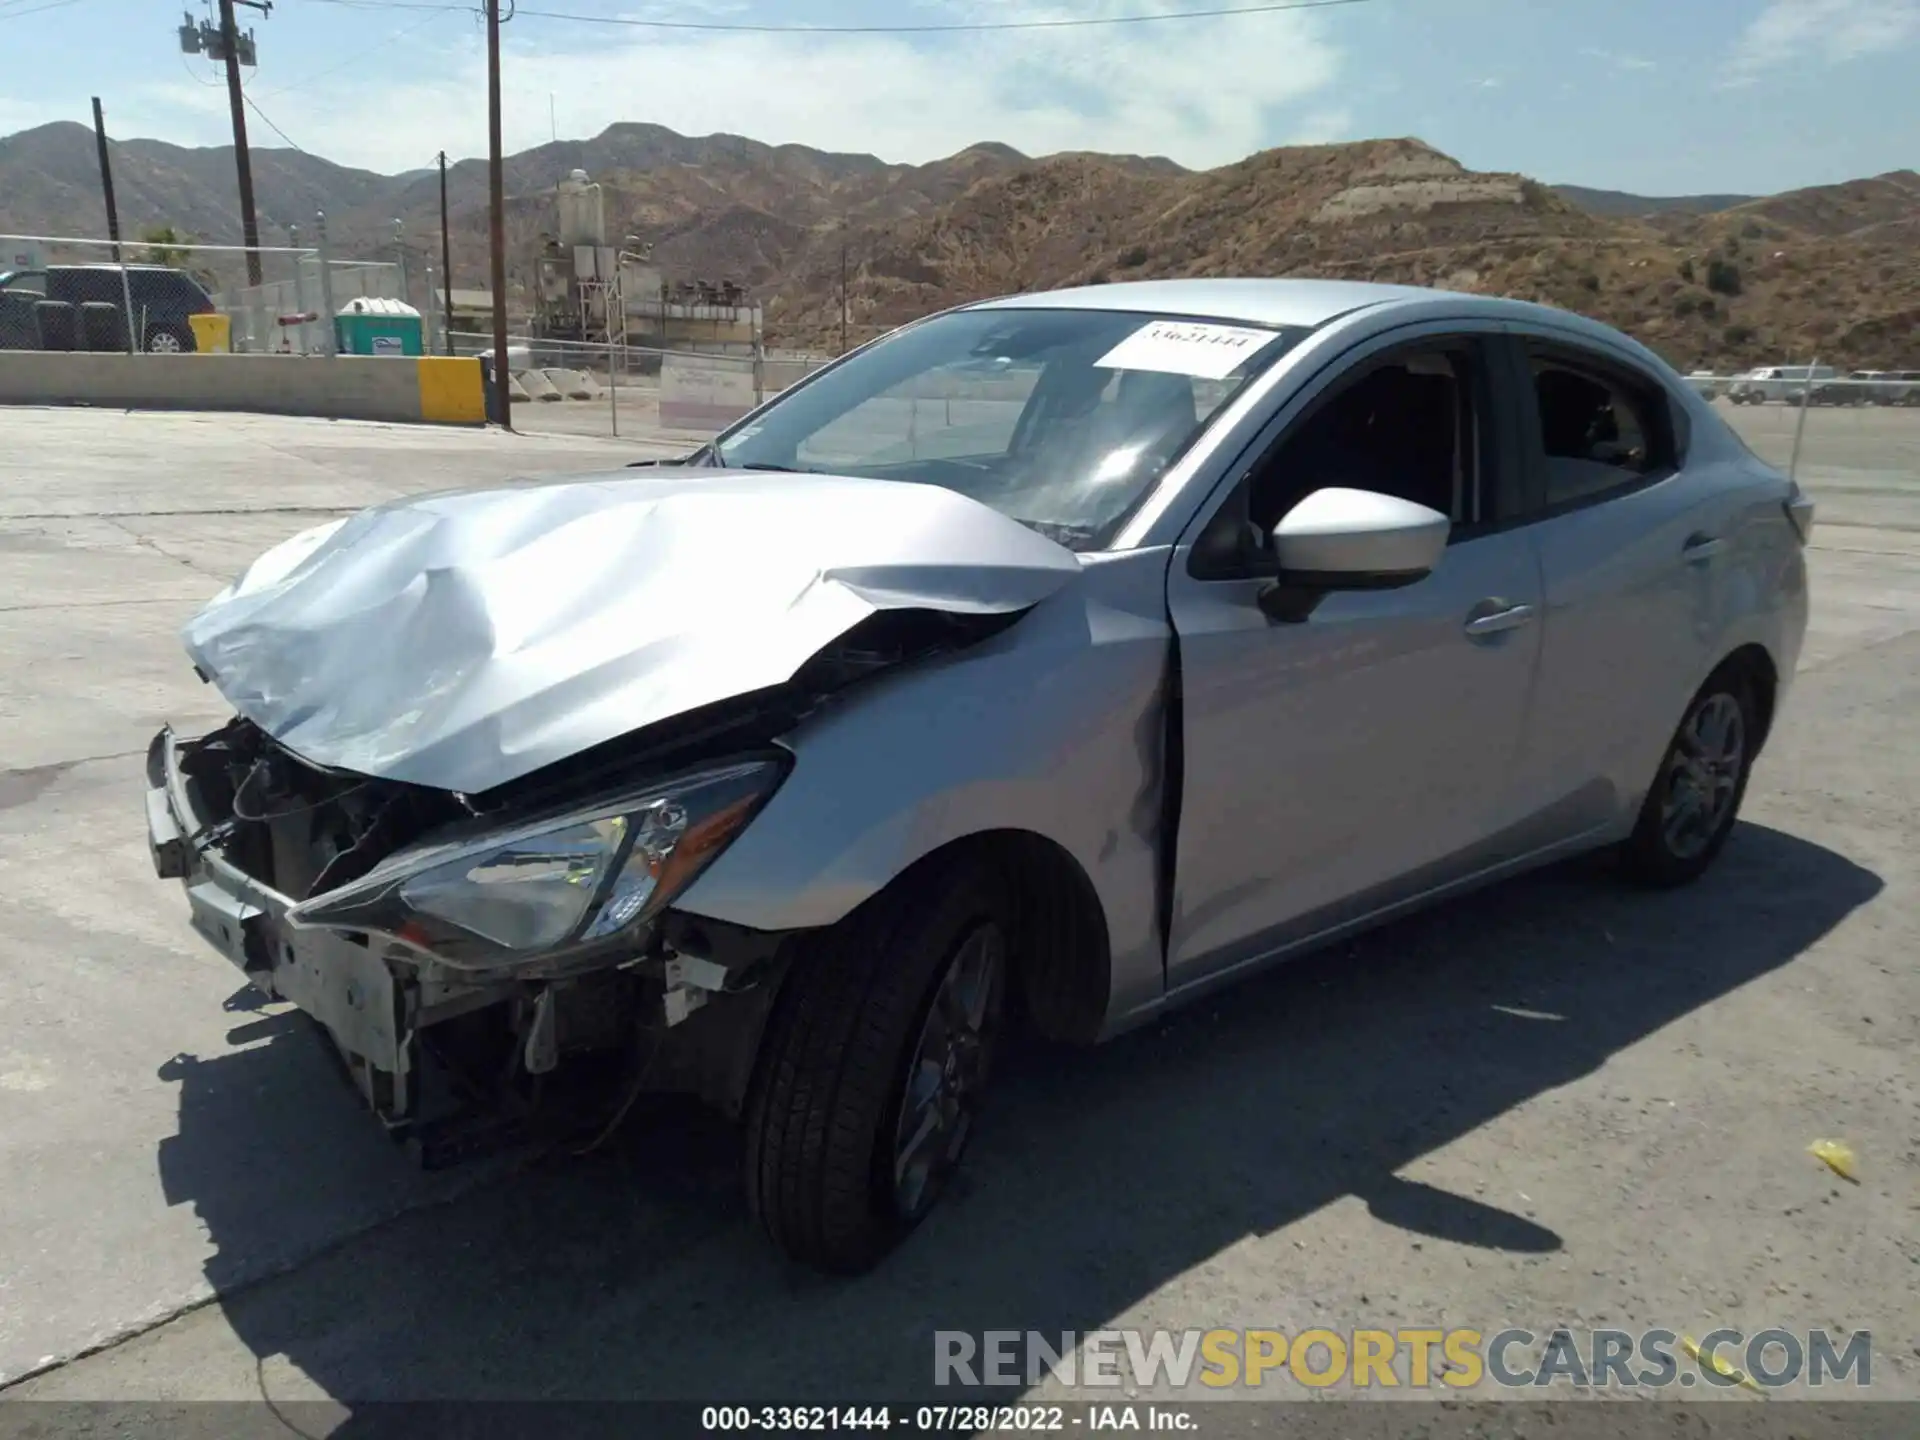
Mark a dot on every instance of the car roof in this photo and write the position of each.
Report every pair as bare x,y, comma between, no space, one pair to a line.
1249,301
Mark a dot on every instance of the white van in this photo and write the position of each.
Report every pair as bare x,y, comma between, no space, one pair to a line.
1778,382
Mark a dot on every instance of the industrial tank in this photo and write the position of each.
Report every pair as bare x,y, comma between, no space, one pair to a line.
583,212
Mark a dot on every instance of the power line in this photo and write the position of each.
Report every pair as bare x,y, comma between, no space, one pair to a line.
950,28
36,9
195,75
270,125
358,59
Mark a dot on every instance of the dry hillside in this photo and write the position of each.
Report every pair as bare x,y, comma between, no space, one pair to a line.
1715,280
1835,270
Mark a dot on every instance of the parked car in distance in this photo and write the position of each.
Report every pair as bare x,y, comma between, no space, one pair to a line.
162,298
1890,387
1785,383
1058,658
1846,390
20,291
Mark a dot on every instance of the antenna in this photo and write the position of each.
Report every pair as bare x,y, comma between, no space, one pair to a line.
1800,425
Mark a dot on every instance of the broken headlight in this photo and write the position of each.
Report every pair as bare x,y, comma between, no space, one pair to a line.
571,879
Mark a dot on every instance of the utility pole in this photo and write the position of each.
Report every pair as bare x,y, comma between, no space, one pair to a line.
249,226
113,217
446,258
226,43
106,178
400,259
497,219
843,287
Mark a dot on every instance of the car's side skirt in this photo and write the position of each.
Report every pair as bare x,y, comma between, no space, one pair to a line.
1320,930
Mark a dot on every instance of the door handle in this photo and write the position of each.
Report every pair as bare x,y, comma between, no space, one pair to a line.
1511,618
1701,548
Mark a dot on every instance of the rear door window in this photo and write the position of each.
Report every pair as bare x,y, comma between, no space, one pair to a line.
1602,430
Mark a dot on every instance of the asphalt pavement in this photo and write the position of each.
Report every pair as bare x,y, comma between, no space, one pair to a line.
1560,1102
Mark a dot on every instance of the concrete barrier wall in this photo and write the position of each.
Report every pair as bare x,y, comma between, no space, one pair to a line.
777,375
437,389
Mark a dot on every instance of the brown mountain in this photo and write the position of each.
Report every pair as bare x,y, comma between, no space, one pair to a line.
1857,209
1834,271
1717,280
1621,205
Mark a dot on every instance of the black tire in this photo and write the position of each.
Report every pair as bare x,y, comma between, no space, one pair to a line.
1666,849
169,340
831,1085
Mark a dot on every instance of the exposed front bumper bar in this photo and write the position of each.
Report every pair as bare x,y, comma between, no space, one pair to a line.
347,987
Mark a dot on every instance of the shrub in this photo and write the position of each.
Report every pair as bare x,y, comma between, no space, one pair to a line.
1686,269
1739,335
1133,257
1723,277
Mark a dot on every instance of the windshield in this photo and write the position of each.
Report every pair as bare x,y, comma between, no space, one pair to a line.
1060,419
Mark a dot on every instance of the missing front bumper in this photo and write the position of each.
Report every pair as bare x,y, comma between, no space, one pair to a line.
348,988
458,1065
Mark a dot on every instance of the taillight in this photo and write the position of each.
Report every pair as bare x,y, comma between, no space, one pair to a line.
1799,507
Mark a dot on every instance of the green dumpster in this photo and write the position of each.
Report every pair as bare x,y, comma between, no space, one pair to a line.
375,326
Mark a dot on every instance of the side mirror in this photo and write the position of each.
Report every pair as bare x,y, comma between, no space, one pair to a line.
1340,539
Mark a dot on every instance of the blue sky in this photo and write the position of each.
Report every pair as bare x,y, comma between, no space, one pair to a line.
1658,96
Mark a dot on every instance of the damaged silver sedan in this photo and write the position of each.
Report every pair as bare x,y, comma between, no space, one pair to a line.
1050,661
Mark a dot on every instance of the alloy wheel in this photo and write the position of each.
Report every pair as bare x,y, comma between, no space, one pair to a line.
947,1071
1703,775
163,342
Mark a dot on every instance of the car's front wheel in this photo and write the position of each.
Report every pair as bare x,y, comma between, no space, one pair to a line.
1695,798
871,1072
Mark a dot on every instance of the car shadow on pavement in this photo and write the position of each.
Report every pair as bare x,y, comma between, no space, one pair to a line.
1102,1176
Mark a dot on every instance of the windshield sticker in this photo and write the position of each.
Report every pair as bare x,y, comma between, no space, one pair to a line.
1185,347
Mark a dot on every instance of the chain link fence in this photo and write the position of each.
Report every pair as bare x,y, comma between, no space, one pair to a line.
166,297
589,388
86,294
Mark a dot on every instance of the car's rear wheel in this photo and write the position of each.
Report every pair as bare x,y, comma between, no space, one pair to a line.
871,1072
165,340
1693,802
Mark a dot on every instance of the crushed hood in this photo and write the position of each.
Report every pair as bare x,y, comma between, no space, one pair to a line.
463,640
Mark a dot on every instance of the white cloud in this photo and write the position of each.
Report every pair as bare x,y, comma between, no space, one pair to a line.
1823,31
1621,62
1204,92
1321,127
19,115
178,95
